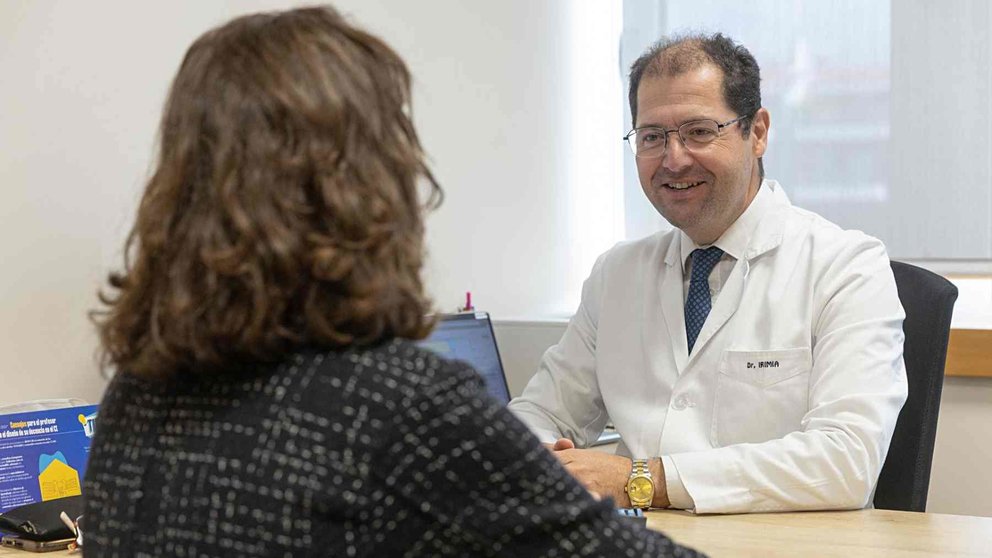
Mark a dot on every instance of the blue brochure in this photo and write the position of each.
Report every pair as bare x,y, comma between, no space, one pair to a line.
43,454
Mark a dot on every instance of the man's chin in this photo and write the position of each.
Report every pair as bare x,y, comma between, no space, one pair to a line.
678,219
691,226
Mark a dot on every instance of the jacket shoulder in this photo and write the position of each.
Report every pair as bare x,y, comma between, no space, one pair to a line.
650,248
829,239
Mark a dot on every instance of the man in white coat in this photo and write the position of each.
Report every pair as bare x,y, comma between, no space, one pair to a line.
751,358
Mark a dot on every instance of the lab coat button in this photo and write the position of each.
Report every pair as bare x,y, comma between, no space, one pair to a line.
680,403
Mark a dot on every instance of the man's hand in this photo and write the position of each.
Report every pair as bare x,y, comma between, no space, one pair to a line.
604,474
601,473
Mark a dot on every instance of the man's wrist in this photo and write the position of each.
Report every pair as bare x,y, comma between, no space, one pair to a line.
657,470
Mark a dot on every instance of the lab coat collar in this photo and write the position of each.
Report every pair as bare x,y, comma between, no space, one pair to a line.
757,231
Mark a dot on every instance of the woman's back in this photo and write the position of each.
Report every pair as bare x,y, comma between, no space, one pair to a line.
366,452
285,213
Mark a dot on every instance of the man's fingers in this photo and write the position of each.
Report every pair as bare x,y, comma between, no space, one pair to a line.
563,444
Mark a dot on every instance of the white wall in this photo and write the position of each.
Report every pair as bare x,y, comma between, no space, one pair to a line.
522,344
494,96
961,478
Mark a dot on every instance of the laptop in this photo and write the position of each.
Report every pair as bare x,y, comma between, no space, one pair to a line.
468,336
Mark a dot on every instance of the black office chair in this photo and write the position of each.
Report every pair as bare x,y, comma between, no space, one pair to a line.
928,300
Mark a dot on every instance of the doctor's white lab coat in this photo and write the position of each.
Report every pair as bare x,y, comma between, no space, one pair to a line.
791,394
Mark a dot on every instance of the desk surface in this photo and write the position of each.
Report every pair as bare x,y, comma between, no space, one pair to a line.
846,534
7,552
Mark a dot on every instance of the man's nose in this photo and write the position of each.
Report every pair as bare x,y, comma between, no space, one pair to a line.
676,157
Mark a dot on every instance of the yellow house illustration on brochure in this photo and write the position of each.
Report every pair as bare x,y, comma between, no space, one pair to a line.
56,478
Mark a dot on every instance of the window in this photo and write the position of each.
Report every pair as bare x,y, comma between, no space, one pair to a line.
881,114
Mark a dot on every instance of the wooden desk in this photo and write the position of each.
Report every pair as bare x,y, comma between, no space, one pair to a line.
7,552
846,534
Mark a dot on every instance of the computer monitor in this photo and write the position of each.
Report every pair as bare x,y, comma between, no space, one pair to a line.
469,337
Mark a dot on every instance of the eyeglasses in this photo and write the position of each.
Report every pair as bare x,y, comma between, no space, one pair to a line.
652,141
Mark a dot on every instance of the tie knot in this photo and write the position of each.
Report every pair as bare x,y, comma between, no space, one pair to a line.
703,262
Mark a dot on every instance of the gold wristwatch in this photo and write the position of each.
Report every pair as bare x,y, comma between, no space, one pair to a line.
640,485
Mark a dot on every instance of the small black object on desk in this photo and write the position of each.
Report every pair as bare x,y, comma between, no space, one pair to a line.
633,514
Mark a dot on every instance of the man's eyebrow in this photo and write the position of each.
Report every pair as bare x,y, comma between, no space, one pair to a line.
694,118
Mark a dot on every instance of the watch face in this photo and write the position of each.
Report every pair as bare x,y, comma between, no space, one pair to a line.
640,489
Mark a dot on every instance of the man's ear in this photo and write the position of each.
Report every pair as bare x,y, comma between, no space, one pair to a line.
759,131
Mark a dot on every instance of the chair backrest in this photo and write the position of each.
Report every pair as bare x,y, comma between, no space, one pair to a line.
928,300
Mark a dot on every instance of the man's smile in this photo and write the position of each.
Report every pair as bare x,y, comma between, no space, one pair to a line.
681,185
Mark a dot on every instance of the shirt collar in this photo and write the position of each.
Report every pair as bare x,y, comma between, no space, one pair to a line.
735,240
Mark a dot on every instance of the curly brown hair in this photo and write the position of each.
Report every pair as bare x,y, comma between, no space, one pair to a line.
284,209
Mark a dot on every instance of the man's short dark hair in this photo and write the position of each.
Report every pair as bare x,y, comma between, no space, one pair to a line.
677,55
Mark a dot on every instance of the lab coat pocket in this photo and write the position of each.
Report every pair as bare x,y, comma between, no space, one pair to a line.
760,395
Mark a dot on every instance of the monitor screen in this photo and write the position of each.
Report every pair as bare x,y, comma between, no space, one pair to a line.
469,337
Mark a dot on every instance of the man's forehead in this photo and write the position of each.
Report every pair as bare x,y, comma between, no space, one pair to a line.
706,76
699,88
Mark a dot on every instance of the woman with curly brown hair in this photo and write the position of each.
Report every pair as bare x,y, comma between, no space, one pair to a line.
267,401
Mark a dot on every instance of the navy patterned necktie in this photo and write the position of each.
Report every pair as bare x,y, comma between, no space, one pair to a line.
697,304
